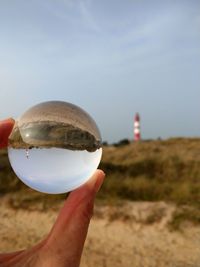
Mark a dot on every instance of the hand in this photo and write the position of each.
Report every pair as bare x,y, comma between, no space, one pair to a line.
64,244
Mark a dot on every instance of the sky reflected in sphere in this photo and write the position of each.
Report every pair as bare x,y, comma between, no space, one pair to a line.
55,147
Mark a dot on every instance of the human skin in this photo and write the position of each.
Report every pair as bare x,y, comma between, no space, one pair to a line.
63,246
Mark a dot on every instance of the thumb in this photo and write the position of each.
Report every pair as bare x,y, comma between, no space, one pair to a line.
5,130
69,232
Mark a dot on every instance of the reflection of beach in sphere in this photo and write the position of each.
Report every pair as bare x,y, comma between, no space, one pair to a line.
54,147
54,170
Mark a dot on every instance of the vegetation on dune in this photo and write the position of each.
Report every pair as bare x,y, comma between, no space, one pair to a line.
8,180
155,170
141,171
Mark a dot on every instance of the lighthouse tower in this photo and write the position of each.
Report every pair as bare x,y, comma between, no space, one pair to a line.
137,135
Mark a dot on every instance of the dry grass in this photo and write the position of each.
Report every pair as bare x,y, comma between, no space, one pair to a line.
145,171
153,171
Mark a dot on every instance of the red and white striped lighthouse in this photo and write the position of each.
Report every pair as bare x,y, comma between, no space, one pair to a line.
137,135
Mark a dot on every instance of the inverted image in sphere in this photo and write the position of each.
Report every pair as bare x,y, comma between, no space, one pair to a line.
55,147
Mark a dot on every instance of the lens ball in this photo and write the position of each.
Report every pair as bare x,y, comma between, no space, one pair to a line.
55,147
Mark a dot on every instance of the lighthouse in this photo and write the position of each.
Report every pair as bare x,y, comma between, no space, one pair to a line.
137,135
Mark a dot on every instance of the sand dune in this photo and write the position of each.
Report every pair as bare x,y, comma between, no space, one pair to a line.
122,236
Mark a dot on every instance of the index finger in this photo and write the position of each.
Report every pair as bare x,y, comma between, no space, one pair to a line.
5,130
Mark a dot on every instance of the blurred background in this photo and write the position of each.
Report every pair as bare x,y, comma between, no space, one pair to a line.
114,59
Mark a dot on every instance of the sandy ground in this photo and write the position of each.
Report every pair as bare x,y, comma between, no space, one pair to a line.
132,235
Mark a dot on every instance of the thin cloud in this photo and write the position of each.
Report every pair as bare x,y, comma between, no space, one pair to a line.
88,17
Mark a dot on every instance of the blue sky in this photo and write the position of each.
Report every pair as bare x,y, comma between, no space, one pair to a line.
111,57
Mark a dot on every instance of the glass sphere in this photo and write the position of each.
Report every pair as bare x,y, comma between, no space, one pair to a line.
55,147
